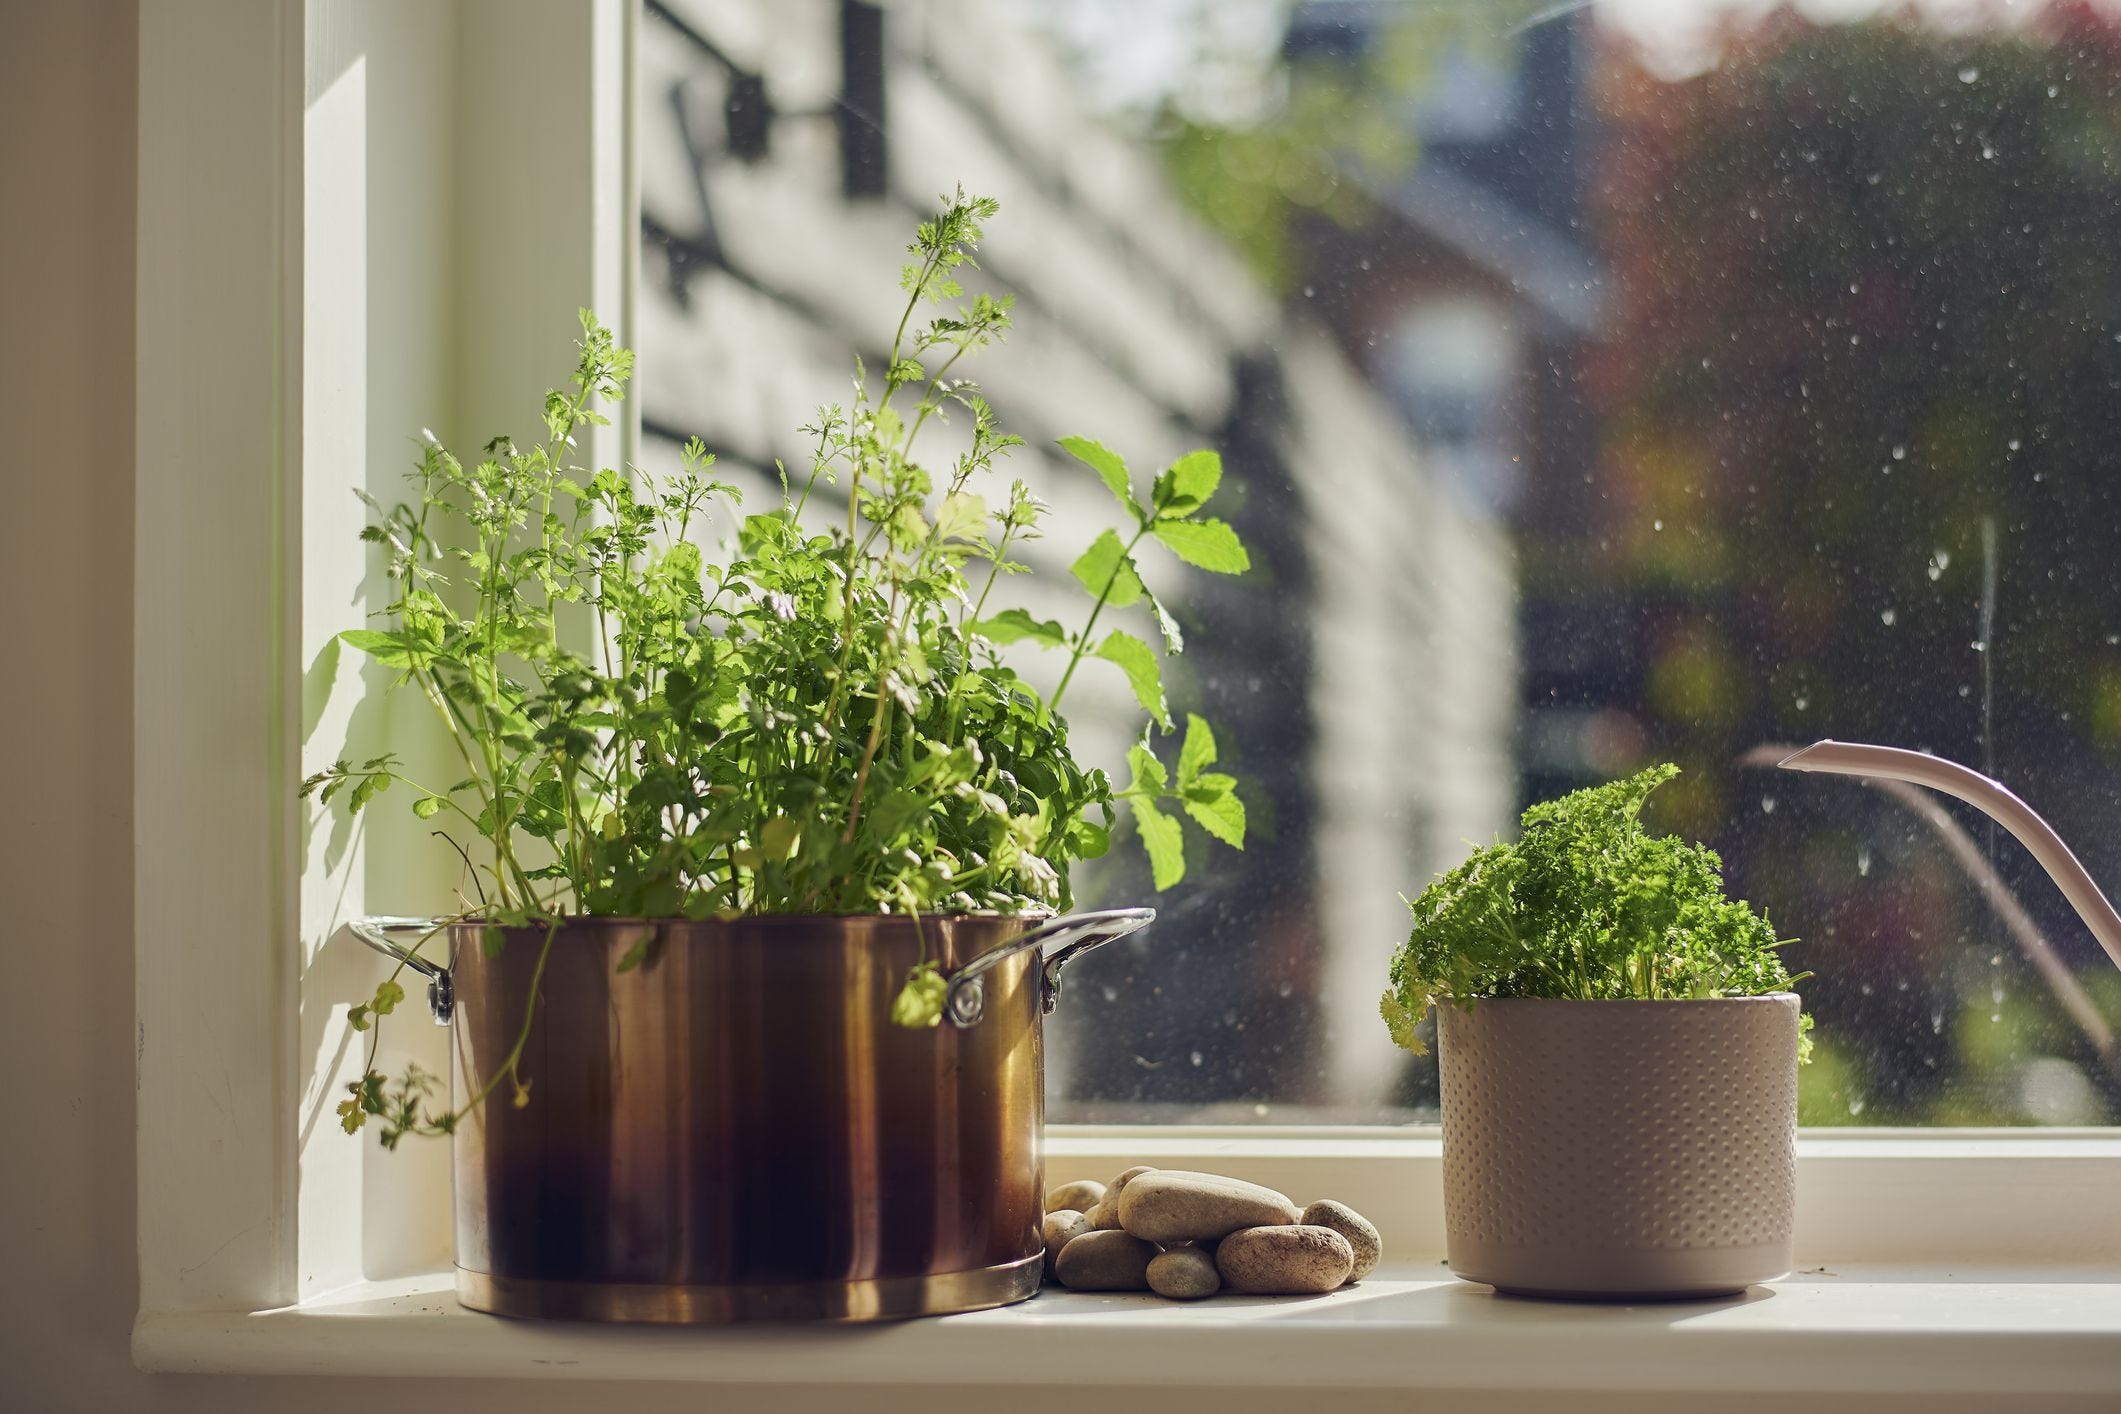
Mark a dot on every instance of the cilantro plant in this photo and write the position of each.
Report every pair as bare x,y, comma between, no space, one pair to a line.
1586,905
820,720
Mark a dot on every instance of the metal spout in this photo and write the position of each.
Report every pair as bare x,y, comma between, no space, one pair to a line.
1845,758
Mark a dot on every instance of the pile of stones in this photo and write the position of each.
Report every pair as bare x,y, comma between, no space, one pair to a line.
1187,1235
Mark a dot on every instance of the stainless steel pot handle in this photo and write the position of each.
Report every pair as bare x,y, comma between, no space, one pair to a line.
441,990
966,1001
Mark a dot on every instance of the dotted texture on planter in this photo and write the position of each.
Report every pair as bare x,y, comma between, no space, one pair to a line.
1667,1125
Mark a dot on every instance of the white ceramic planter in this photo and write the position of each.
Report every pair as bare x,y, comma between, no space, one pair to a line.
1620,1150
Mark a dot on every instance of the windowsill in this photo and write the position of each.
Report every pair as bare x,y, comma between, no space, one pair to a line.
1851,1330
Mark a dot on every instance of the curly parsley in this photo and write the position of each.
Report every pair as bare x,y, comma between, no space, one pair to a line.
1587,905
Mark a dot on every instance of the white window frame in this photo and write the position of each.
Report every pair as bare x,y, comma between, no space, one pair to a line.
219,420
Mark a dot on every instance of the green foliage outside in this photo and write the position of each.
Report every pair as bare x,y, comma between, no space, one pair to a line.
1339,129
825,723
1861,381
1588,906
1865,282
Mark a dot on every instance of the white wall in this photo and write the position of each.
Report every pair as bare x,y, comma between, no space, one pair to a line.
66,321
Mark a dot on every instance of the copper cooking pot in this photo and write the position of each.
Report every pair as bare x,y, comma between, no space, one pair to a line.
733,1129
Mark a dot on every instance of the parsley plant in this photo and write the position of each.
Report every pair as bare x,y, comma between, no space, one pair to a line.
1586,905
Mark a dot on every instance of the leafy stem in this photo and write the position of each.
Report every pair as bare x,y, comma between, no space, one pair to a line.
1081,645
783,720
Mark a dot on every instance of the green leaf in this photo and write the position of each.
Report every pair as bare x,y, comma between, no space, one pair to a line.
1013,625
920,1001
1401,1022
908,527
1205,544
1106,563
1174,641
386,999
1198,751
1138,660
1149,777
963,517
1165,842
1188,483
641,950
777,839
1090,839
1212,802
428,806
1107,464
387,648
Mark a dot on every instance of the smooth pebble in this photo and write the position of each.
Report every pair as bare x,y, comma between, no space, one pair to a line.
1059,1229
1177,1205
1081,1195
1283,1260
1362,1236
1105,1216
1184,1274
1119,1185
1105,1261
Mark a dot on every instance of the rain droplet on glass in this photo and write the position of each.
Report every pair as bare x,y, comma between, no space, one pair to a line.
1767,805
1888,617
1863,861
1969,73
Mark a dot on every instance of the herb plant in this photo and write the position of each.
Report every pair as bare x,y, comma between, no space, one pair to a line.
1586,905
820,721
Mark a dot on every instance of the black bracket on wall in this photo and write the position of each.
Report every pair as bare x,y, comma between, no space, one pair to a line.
860,109
748,110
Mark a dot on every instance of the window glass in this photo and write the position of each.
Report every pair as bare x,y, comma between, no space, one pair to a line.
1597,385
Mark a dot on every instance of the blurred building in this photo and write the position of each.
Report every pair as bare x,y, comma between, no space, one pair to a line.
1469,298
1363,677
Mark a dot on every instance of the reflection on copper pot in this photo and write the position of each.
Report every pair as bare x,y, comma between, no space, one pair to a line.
732,1128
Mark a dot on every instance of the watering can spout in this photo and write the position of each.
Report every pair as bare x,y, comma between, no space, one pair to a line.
1848,758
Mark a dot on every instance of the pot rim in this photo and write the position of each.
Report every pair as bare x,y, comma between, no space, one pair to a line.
616,920
1471,1004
